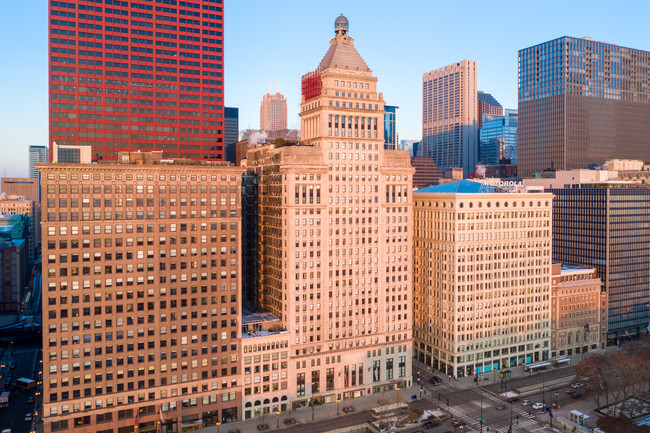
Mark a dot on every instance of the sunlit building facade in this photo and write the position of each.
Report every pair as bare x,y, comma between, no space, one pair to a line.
141,295
482,277
331,230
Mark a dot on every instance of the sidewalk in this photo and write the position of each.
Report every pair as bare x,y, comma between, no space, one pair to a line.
493,377
325,417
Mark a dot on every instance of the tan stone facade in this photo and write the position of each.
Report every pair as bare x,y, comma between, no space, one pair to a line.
450,116
578,310
482,278
141,296
25,186
332,238
273,112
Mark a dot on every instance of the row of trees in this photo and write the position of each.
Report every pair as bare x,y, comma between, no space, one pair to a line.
616,376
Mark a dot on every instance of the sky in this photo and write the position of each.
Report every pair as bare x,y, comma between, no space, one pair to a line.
270,44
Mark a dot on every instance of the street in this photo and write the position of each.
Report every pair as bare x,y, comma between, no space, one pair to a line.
469,404
13,417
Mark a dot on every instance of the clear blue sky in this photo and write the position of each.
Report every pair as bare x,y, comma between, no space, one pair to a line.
276,41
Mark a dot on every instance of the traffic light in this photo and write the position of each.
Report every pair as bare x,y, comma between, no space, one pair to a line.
481,421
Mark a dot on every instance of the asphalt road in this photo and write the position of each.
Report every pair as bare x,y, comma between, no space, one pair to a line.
469,404
13,417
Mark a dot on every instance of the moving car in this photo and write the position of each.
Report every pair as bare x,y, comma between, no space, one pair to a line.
569,391
28,417
457,423
513,399
527,403
502,407
576,395
30,399
432,424
538,406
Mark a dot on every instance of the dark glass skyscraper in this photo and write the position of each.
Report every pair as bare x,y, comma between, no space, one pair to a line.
390,127
139,75
231,131
498,138
582,102
608,228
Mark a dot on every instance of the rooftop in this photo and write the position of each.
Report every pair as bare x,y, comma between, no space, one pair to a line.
567,269
483,186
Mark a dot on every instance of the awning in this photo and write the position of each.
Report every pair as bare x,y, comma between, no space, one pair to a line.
563,361
538,365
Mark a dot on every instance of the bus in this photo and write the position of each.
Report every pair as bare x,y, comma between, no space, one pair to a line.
388,410
25,383
4,399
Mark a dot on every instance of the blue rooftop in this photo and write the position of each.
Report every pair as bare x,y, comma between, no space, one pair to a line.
459,186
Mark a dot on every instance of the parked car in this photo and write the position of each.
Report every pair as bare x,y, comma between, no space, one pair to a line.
576,395
30,400
527,403
569,391
538,406
432,424
502,407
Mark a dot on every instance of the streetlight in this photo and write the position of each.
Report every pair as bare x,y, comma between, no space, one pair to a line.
396,394
277,418
338,405
543,389
510,429
218,426
481,421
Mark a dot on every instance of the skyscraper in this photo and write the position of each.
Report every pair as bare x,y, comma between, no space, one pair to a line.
487,104
231,131
582,102
137,76
331,229
482,277
390,127
273,112
498,138
37,155
450,116
603,223
141,283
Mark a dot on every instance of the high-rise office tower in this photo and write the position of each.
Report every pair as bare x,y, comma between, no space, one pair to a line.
582,102
603,223
498,138
332,236
482,277
231,131
487,104
450,116
37,155
273,112
137,76
141,304
390,127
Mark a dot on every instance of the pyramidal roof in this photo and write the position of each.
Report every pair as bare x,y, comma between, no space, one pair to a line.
342,54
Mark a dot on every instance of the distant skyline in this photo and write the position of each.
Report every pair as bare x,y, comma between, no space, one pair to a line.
277,42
